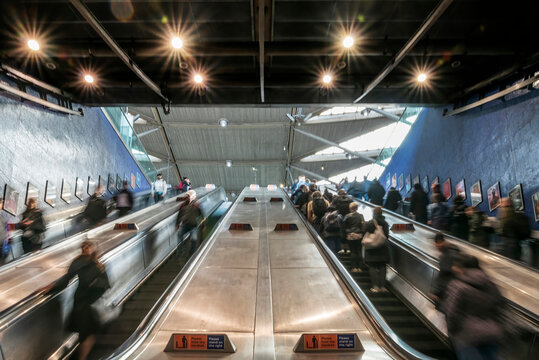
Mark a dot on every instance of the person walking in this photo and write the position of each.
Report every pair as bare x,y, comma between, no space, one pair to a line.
353,224
95,213
478,234
187,221
438,213
159,189
418,204
376,193
32,226
124,200
511,229
458,219
392,200
92,284
376,250
448,253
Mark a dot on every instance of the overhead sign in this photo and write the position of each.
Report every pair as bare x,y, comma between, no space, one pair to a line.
328,342
402,227
254,187
200,342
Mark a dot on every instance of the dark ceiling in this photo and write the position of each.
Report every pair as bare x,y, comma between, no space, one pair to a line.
470,42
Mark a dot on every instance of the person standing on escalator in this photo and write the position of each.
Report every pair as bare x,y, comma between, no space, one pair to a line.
159,189
32,226
376,249
96,209
187,221
124,200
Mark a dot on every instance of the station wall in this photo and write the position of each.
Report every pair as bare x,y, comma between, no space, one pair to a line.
498,143
37,145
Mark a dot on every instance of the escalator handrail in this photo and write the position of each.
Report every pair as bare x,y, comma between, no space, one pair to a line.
28,303
388,336
158,309
526,315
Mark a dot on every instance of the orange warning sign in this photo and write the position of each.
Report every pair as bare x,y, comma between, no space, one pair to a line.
199,342
320,341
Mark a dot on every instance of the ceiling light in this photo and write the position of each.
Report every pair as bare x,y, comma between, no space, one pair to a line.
349,156
327,79
198,78
228,163
422,77
89,78
177,43
254,169
348,42
322,167
281,186
223,122
33,44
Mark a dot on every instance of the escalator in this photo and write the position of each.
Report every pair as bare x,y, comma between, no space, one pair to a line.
400,318
148,293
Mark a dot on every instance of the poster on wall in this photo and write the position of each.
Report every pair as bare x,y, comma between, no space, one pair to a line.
425,184
139,184
119,182
79,186
460,189
32,192
446,189
50,193
11,200
494,196
133,181
91,186
111,184
475,193
65,194
408,183
101,182
388,181
535,203
515,194
394,181
435,181
416,180
401,181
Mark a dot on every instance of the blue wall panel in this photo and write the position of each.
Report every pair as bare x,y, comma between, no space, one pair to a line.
37,145
500,143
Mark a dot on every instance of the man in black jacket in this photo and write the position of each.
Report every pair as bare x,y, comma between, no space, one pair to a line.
187,221
376,193
353,232
418,204
96,210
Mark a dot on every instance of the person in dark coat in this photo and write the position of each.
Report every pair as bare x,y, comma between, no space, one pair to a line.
331,230
353,224
96,210
478,234
458,219
473,310
188,219
124,200
377,258
418,204
32,226
355,188
92,284
392,199
328,196
448,254
341,203
376,193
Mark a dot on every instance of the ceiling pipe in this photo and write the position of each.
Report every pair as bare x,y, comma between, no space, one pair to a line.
385,113
331,143
100,30
427,24
142,134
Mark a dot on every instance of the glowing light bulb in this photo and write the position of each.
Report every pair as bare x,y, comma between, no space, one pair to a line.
89,78
198,78
422,77
327,79
33,44
348,42
177,43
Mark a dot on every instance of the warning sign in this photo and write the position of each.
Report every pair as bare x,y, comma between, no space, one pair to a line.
328,341
200,342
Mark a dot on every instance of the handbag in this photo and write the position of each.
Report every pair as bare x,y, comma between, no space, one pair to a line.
375,239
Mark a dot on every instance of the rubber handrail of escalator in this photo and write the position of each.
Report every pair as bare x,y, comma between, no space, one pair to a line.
384,331
531,318
39,296
150,320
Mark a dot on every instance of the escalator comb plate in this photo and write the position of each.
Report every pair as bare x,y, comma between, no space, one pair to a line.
286,227
125,226
249,199
240,227
276,199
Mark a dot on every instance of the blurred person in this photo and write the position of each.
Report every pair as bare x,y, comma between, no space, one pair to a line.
364,186
344,185
327,195
376,193
353,224
448,253
512,227
303,198
478,234
159,189
376,257
355,188
316,209
4,237
473,310
124,200
341,202
32,226
392,200
418,204
186,184
435,189
92,284
458,219
297,184
96,209
187,221
438,213
331,230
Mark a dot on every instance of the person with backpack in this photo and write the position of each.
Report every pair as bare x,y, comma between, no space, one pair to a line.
331,230
353,224
96,210
32,226
458,218
316,209
438,213
376,249
392,200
